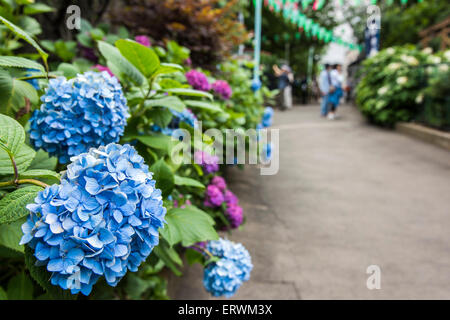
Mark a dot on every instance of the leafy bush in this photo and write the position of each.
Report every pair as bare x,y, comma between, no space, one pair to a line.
393,82
207,29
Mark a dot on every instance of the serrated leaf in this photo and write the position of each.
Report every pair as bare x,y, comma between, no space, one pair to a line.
42,277
164,177
12,206
43,161
26,37
12,135
190,92
14,92
185,181
142,57
160,116
23,159
41,174
169,102
203,105
188,225
19,62
20,287
120,63
10,235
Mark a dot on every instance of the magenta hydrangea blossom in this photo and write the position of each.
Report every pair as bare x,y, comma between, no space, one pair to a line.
198,80
222,88
209,162
213,196
219,182
230,197
234,214
144,40
101,68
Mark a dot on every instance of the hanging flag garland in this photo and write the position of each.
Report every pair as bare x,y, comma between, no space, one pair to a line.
290,11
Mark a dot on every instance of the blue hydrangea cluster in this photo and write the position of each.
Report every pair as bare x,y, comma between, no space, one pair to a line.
77,114
102,220
224,277
186,117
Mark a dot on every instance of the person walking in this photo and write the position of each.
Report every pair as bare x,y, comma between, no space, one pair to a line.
326,88
335,97
285,81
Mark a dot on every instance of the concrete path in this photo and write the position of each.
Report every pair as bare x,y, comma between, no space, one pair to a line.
347,195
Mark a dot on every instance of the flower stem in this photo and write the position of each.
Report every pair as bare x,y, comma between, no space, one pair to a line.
16,182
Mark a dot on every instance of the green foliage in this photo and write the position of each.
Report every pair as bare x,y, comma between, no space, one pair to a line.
20,287
12,206
391,83
188,226
10,235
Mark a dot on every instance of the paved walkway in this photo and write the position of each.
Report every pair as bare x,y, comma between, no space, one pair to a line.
348,195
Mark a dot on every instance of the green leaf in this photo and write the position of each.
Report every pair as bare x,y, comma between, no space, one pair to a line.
29,25
136,286
118,61
26,37
166,68
3,295
142,57
20,287
41,174
12,206
188,226
12,135
203,105
193,256
184,181
10,235
36,8
170,102
190,92
69,70
169,256
164,177
161,117
14,93
23,159
19,62
42,277
160,142
43,161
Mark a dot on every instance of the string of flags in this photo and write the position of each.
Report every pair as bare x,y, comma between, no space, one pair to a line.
290,9
291,12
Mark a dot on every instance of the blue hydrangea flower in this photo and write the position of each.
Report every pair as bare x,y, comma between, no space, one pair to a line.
87,111
267,117
224,277
33,82
186,117
101,221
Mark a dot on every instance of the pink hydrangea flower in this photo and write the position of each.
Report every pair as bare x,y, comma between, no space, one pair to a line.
209,162
144,40
219,182
213,196
101,68
230,197
198,80
235,215
222,88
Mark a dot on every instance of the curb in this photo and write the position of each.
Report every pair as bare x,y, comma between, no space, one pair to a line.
433,136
